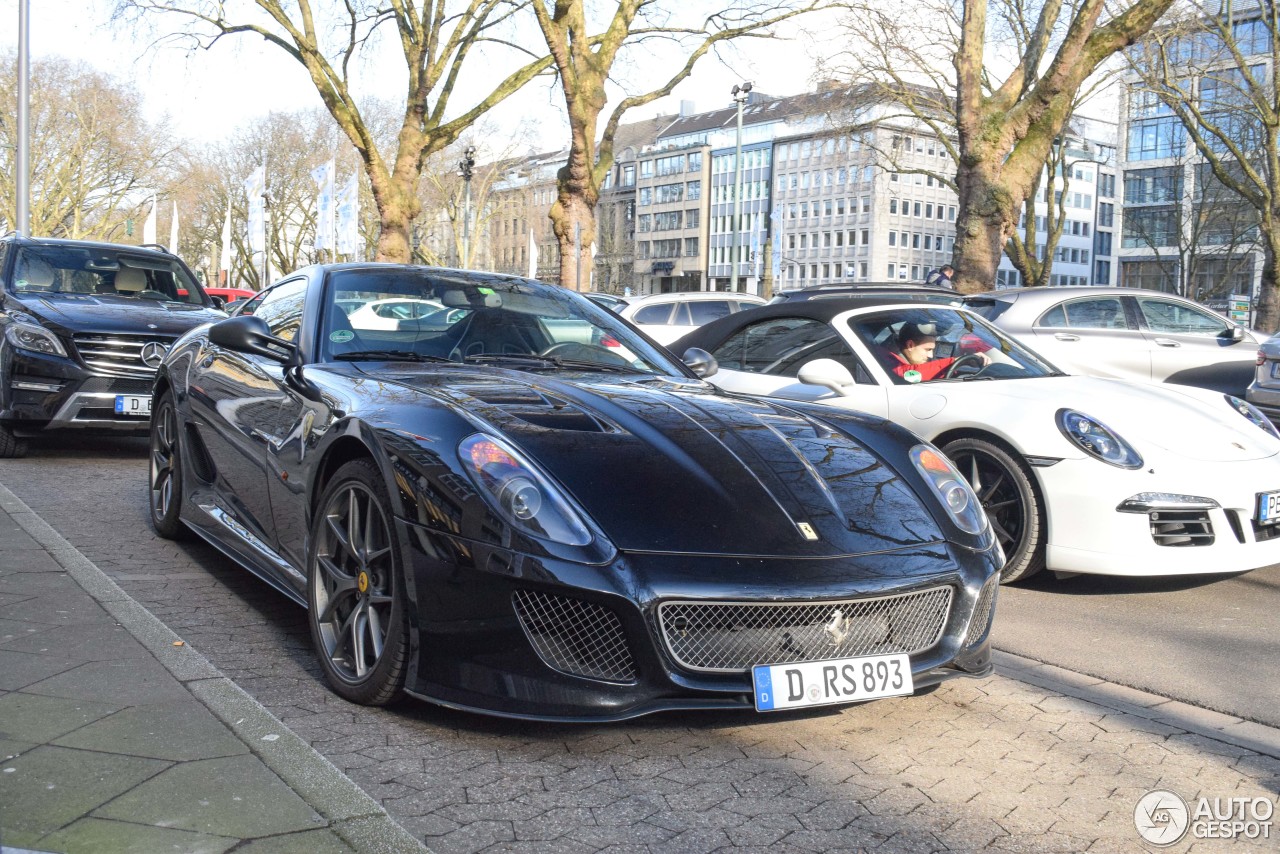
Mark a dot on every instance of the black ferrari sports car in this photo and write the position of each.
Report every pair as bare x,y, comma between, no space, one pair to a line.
532,510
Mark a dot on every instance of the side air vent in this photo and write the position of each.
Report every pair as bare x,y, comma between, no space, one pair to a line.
198,453
538,408
574,636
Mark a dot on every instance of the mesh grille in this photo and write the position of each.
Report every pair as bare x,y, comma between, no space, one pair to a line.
116,386
734,636
982,613
575,637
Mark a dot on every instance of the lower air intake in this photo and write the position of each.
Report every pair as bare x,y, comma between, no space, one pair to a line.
575,637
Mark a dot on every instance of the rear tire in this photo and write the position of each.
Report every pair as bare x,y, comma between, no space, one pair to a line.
11,447
355,590
1011,500
165,481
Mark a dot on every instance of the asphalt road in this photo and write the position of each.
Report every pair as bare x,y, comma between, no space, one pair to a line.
990,765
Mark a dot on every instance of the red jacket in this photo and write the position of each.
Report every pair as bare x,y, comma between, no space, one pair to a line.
928,370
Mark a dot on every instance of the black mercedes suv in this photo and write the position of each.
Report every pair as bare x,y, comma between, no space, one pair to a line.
82,328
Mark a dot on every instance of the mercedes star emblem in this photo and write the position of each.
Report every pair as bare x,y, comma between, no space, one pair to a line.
153,354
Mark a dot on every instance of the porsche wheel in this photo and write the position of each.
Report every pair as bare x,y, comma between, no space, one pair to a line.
1012,503
356,593
166,471
11,447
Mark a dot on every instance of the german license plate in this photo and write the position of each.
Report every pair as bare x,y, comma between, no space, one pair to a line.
133,404
1268,508
823,683
1275,369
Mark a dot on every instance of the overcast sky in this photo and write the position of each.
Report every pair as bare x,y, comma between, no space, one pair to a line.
206,94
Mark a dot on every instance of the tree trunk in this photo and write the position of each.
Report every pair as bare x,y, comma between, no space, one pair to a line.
1268,312
986,210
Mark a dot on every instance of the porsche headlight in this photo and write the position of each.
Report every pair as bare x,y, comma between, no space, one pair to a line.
1253,413
1097,440
523,496
37,339
952,489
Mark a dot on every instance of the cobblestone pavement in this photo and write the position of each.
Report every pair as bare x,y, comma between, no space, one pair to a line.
998,764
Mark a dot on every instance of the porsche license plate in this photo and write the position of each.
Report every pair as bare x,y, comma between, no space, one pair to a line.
822,683
133,404
1268,508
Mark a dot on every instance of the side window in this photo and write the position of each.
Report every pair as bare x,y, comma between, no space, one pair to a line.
1174,317
1100,313
708,310
659,313
281,308
1055,318
251,307
680,316
782,346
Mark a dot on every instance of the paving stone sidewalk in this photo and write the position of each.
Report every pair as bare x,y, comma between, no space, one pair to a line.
115,736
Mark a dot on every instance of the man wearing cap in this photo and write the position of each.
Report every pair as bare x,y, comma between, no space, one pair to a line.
915,362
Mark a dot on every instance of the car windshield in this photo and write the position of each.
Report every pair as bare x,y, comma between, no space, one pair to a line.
430,315
939,344
102,272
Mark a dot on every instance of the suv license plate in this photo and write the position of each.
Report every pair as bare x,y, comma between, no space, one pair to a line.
133,404
1268,508
822,683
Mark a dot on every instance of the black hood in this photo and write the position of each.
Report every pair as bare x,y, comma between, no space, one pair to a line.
666,465
102,313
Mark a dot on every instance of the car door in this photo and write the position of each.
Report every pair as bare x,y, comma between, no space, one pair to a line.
1093,336
1191,345
235,399
765,358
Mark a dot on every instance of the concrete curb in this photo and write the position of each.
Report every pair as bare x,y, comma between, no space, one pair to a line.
356,817
1217,726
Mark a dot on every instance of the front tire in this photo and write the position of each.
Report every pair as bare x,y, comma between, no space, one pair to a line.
1010,498
11,447
356,589
165,493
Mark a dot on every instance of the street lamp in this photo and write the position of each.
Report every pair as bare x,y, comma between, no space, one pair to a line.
740,94
466,167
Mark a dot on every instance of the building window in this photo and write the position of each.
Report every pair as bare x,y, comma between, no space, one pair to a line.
1153,139
1153,186
692,218
1150,227
1152,275
1106,215
1102,273
691,247
646,169
694,190
628,176
1106,185
645,223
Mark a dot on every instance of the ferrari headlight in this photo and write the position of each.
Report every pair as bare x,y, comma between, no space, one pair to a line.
1253,413
1097,440
952,489
522,495
37,339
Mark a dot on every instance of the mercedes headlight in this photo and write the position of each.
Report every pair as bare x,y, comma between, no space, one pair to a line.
520,494
37,339
1253,413
952,490
1097,439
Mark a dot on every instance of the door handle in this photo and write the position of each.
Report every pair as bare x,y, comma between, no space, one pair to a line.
1065,336
1165,342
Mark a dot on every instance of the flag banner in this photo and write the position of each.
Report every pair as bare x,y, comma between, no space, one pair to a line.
149,227
254,187
323,176
533,256
224,263
173,231
349,216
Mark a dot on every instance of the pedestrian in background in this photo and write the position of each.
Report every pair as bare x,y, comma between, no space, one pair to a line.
941,277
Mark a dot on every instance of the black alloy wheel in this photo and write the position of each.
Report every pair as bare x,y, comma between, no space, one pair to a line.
1011,501
166,471
357,606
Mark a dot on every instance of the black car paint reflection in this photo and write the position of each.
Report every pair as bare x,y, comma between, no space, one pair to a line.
684,493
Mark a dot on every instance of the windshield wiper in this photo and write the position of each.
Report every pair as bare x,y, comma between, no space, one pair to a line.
389,355
554,361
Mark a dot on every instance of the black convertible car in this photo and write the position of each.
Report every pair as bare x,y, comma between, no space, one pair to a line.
533,510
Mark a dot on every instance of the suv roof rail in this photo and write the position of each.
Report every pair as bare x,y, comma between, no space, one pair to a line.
164,249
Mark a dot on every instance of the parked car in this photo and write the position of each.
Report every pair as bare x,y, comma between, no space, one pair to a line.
665,317
1264,391
388,313
447,508
229,295
1079,474
866,289
613,302
83,327
1128,333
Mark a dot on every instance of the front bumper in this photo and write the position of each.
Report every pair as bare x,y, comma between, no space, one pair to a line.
1088,534
475,648
46,392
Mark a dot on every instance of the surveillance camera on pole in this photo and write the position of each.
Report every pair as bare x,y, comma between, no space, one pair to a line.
466,168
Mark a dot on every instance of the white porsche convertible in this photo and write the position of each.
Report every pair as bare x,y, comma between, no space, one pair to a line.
1078,474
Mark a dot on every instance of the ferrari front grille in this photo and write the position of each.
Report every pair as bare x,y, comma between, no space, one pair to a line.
981,619
732,637
575,636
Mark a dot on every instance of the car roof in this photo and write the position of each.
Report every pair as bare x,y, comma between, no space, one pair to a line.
148,249
826,291
676,296
1058,293
713,334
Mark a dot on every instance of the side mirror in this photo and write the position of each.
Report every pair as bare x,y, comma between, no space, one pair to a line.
700,362
249,334
1237,333
218,302
827,373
